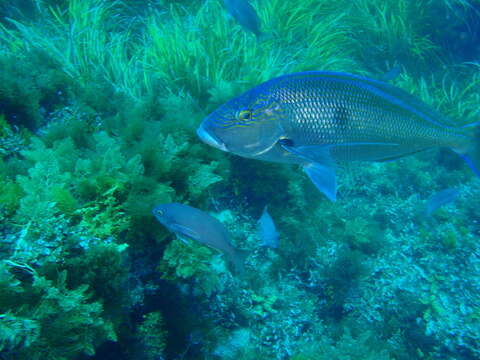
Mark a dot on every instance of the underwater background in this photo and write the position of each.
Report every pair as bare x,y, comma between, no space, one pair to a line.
99,104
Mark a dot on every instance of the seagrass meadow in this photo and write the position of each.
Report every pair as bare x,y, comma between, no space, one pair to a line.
99,104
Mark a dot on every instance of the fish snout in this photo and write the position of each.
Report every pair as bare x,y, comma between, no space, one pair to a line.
208,138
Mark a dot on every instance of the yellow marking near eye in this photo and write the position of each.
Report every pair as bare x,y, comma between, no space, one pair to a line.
245,115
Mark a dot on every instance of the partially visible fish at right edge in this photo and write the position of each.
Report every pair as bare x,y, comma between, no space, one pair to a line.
441,198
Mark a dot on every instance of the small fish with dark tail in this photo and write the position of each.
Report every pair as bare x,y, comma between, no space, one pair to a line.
191,223
317,118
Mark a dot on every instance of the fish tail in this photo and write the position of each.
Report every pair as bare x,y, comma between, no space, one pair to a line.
472,154
261,36
238,259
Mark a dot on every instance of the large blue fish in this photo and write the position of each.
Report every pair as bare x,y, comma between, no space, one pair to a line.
318,118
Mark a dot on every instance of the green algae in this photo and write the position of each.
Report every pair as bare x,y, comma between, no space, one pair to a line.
113,102
152,335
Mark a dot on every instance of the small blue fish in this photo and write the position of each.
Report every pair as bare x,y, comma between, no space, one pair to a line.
440,199
391,74
267,231
245,14
191,223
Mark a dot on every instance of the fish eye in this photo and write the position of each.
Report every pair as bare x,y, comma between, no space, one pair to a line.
160,212
245,115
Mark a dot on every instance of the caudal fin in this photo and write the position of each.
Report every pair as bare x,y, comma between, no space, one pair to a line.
472,155
238,259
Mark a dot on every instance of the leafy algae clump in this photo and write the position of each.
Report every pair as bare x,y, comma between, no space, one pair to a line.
46,319
152,335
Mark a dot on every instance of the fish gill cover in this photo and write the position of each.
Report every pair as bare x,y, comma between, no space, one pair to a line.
99,105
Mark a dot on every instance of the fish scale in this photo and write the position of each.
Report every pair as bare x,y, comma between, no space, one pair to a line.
333,110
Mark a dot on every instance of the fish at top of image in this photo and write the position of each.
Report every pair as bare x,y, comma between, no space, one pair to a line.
244,13
316,119
391,74
190,223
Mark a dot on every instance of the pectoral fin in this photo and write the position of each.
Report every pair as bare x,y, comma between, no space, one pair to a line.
320,167
311,153
183,232
182,238
323,176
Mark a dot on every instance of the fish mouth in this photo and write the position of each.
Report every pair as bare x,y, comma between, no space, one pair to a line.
209,139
